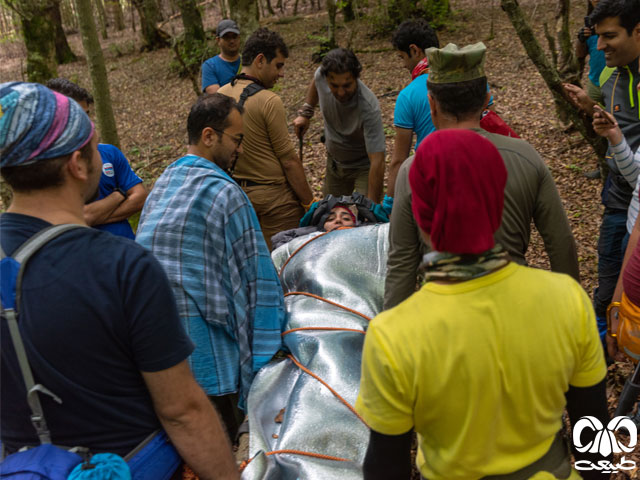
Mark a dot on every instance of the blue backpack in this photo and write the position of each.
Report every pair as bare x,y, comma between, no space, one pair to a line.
154,459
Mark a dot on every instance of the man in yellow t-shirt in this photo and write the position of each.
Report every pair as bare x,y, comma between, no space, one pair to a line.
482,361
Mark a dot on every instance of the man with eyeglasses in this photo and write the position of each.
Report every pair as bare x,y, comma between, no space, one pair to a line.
202,228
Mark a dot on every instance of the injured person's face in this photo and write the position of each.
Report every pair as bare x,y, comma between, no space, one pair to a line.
340,216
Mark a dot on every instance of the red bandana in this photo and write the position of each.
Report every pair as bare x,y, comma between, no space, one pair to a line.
420,68
457,190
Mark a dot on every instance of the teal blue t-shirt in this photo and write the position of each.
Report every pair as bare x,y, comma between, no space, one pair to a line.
412,109
596,60
217,71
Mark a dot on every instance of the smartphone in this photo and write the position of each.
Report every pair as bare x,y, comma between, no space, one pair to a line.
604,114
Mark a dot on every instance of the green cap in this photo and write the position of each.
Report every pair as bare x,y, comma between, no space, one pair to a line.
452,64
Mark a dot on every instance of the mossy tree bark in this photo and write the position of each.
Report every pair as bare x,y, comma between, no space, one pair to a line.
115,10
149,14
69,16
332,11
64,54
98,73
194,37
102,18
245,13
550,75
38,33
348,11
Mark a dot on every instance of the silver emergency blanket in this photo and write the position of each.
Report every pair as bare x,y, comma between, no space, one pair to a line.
346,267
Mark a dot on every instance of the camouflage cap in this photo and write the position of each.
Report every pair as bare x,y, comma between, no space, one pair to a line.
452,64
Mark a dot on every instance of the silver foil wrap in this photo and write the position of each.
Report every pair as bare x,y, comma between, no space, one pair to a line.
346,267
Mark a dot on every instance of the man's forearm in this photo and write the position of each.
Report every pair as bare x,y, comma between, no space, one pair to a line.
312,94
116,207
296,178
388,456
588,402
376,176
201,441
401,150
97,213
136,196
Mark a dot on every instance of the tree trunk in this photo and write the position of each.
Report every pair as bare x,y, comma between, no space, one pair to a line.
133,16
69,17
332,10
194,37
348,11
223,9
38,32
269,7
64,54
115,9
101,18
568,65
549,74
98,72
245,13
152,36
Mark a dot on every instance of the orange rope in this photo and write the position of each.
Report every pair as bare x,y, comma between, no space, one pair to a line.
317,297
298,249
324,329
305,244
336,394
244,464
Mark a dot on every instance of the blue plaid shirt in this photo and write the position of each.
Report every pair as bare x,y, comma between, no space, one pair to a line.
202,228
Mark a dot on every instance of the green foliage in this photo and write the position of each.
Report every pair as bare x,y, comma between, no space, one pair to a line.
191,56
324,47
386,17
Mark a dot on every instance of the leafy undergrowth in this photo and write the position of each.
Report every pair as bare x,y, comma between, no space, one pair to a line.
151,104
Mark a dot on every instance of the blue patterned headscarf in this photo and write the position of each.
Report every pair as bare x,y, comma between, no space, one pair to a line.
37,123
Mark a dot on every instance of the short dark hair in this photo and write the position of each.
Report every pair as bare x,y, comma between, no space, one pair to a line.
266,42
41,175
461,99
341,60
70,89
210,110
628,12
416,31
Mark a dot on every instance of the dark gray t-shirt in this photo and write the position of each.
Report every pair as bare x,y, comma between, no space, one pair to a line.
352,129
625,109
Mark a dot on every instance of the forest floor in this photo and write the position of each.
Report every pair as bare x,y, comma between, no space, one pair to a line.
151,103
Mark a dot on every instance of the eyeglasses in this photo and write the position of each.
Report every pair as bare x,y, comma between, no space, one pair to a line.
237,139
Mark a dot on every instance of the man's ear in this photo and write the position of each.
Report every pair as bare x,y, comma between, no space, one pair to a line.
432,105
77,167
260,60
636,33
416,51
208,136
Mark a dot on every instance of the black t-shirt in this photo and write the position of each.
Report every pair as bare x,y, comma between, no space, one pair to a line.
96,310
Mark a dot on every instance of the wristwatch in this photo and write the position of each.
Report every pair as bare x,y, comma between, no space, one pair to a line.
121,192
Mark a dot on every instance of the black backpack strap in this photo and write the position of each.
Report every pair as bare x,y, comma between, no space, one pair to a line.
249,91
10,311
365,207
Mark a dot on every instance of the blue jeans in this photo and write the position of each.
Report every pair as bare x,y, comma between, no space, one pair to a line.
613,233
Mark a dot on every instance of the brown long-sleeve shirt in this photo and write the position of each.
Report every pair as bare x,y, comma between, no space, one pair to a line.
530,193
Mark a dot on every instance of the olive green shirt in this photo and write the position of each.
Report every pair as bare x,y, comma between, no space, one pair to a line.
530,193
